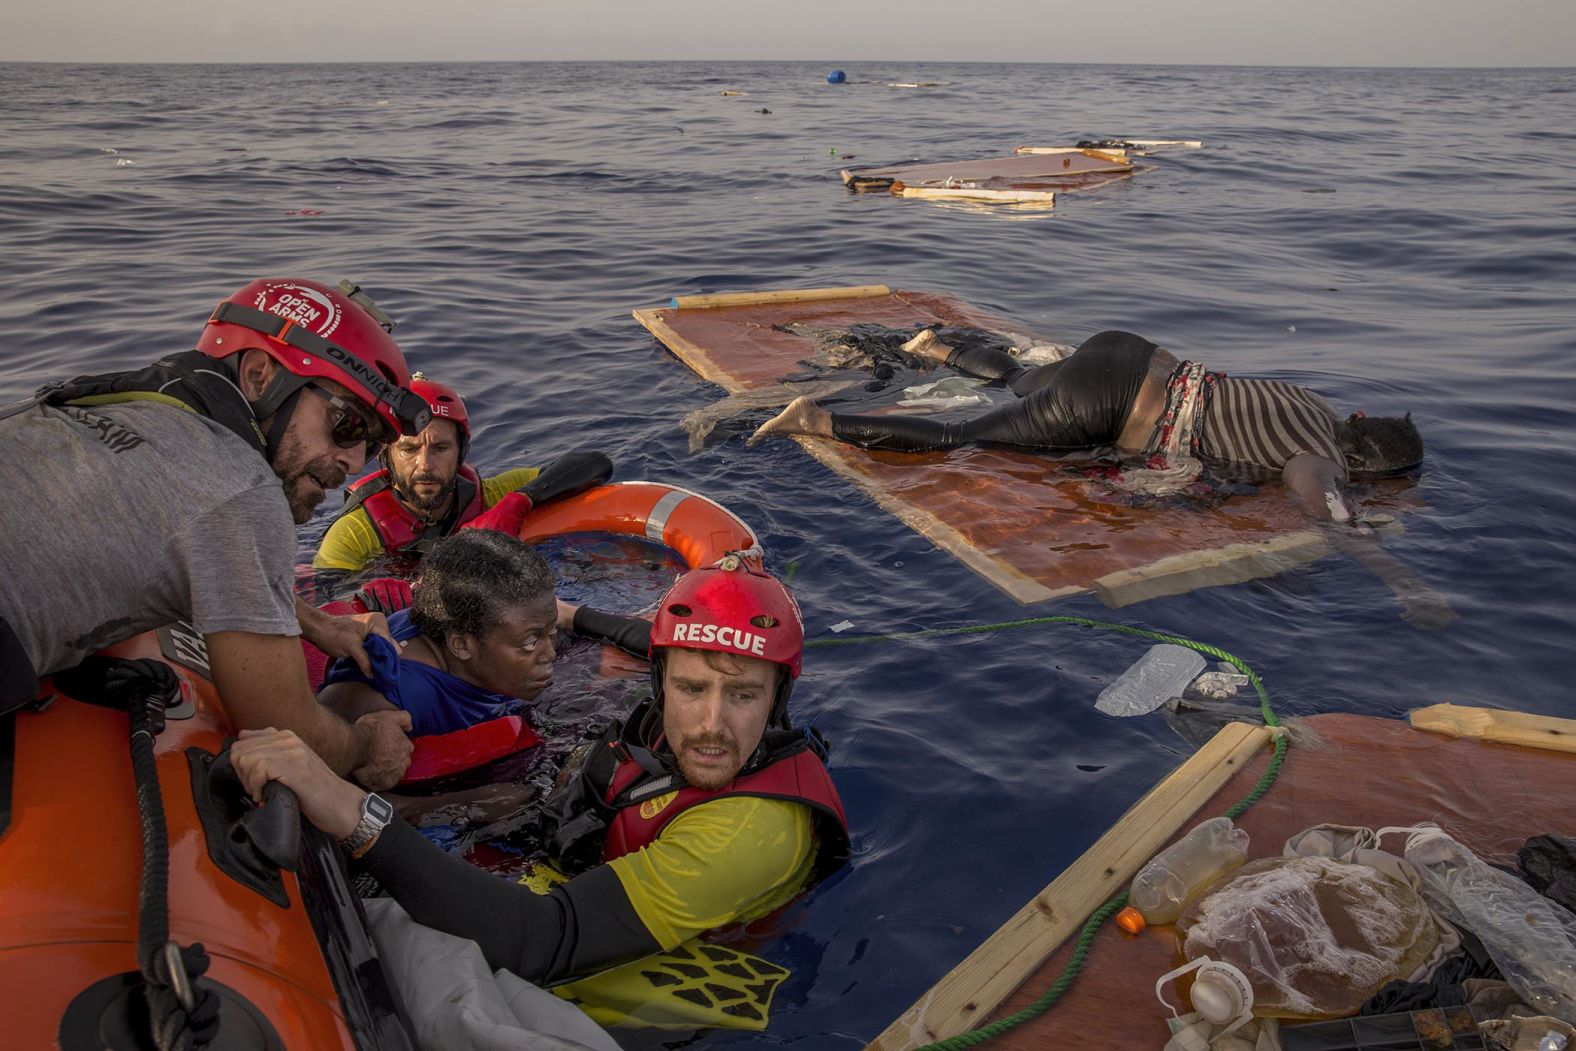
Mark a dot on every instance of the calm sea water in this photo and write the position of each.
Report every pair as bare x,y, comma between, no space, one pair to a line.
1398,239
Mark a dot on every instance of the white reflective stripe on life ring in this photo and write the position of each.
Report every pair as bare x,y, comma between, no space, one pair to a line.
657,519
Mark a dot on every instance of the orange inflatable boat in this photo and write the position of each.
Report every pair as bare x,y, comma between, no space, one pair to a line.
290,962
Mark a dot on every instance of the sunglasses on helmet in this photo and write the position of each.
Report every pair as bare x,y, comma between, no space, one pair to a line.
353,424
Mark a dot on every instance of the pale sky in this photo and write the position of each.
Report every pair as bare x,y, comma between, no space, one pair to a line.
1203,32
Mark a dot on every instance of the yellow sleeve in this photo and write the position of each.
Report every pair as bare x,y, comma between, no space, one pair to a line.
501,485
350,543
727,861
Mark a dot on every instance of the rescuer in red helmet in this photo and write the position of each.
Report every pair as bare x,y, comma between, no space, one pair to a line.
425,490
705,808
173,492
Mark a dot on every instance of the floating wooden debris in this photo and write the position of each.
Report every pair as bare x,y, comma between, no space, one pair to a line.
1121,147
1017,178
1028,525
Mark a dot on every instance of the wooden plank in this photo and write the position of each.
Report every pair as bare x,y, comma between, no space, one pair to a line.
967,193
1141,145
793,295
1501,727
965,998
1190,570
692,355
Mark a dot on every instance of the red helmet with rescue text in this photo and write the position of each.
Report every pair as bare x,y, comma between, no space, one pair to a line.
445,403
732,607
315,331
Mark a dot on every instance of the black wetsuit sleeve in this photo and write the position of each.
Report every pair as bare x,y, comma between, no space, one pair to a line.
579,928
630,634
571,473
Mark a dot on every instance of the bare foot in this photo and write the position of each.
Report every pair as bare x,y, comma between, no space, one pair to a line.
926,345
802,416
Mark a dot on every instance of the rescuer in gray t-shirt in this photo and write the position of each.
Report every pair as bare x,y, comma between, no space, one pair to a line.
173,492
138,515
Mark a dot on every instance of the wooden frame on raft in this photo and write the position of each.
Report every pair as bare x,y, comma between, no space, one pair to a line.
1508,776
965,998
1053,553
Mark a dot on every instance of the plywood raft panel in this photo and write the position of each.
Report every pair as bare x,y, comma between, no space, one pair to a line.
1013,171
1018,519
1346,770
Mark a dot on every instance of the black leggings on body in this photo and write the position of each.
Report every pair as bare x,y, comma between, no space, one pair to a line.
1080,402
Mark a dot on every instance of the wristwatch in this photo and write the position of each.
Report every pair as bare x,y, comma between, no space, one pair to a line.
376,813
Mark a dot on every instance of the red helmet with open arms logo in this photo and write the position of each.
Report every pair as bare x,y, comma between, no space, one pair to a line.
316,331
733,607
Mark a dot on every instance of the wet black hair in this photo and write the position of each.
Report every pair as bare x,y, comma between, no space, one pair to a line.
469,579
1380,444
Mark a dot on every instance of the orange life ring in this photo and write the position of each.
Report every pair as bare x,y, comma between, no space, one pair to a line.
71,863
697,527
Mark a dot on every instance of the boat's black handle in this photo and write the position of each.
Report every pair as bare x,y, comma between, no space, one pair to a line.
274,829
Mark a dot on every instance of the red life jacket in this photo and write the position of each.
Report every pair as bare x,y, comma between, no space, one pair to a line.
396,525
624,795
800,778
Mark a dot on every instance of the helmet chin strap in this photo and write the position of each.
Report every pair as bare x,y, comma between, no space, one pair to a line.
278,400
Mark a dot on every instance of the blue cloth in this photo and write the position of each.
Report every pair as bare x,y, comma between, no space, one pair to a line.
438,702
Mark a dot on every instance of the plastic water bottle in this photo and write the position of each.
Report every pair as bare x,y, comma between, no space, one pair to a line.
1157,676
1193,862
1532,939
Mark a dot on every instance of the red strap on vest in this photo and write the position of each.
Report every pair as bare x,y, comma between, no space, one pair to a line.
439,755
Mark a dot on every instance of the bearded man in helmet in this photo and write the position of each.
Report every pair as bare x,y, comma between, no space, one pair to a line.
425,490
704,809
173,492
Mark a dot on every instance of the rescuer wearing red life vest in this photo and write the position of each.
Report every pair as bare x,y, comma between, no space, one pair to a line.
173,492
425,490
705,808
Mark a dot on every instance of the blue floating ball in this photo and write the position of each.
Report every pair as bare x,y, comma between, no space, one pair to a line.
836,76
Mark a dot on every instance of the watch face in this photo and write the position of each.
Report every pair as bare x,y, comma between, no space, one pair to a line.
378,809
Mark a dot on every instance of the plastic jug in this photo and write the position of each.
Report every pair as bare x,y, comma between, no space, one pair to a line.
1163,886
1221,993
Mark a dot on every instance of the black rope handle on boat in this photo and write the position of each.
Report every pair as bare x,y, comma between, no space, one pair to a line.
183,1013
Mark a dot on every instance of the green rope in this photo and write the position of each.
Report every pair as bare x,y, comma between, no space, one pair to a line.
1091,927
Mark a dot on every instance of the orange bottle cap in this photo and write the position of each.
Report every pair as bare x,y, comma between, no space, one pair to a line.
1130,920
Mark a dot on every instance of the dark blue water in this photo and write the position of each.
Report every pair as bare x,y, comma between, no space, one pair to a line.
1398,239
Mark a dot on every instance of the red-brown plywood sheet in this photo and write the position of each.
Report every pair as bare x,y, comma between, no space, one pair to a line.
1016,518
1359,770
